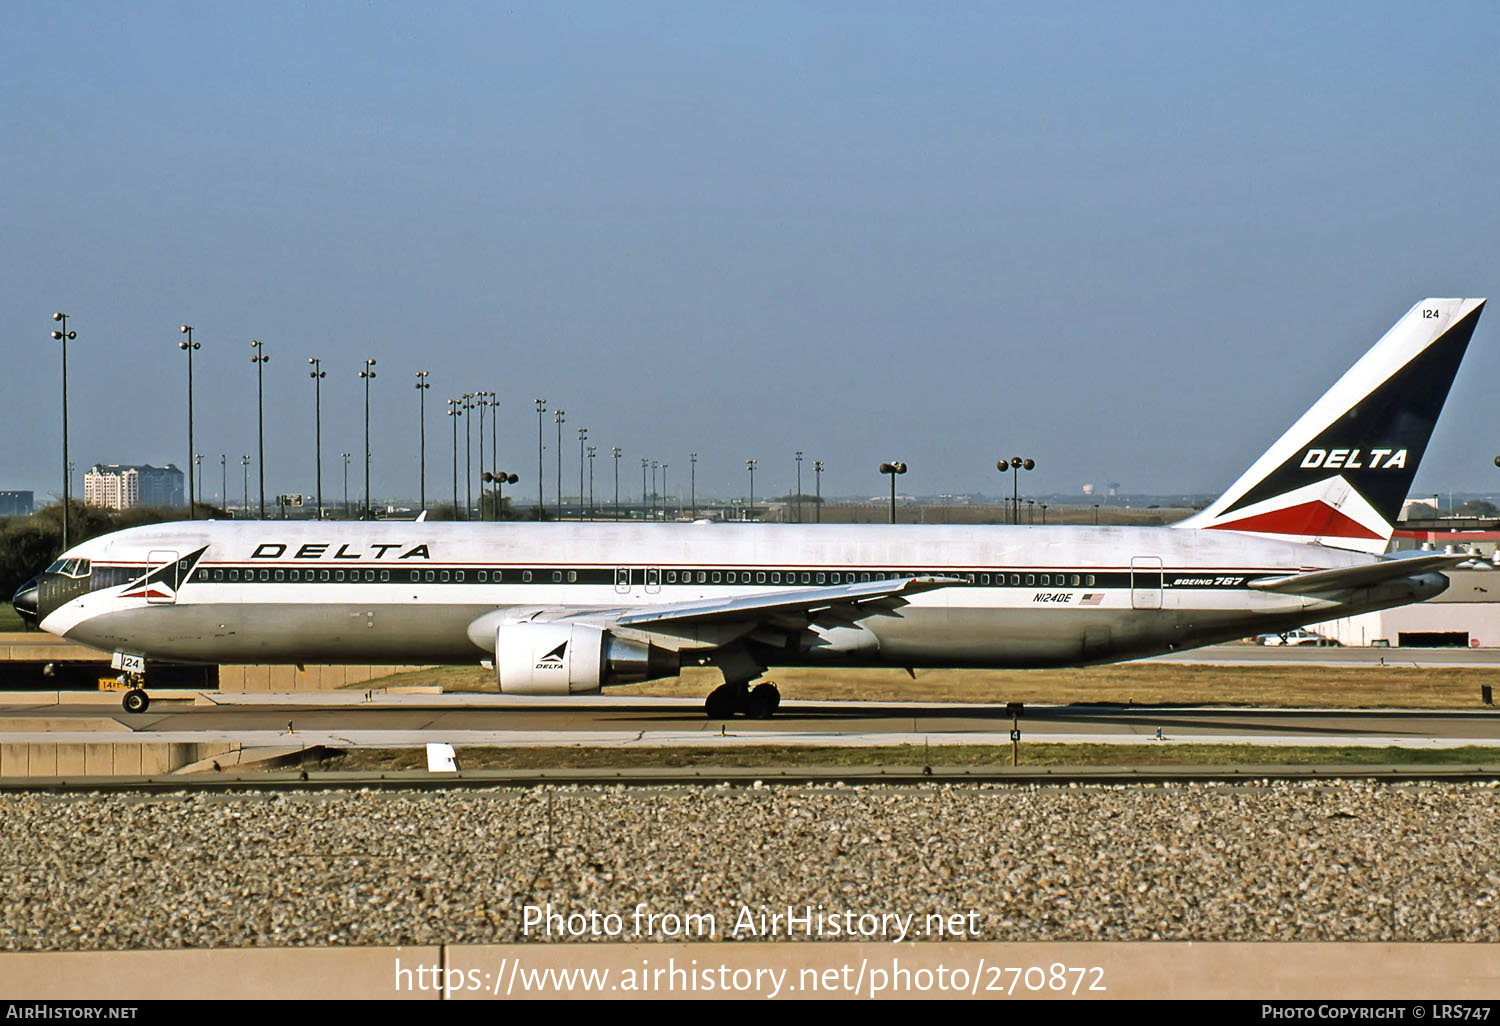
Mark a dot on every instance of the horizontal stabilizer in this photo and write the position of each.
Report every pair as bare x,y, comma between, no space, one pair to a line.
1348,577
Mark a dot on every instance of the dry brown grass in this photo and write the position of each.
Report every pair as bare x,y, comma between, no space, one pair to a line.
779,757
1141,684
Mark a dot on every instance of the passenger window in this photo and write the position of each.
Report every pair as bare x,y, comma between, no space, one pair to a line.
822,578
444,577
1046,580
776,577
731,577
806,577
265,575
496,577
370,576
715,576
557,577
572,576
834,578
526,576
1015,579
702,577
218,575
1030,580
458,575
385,575
760,577
431,576
323,576
671,576
1091,580
416,576
1075,580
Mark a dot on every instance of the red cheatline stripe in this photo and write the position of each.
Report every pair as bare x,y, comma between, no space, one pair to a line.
1313,519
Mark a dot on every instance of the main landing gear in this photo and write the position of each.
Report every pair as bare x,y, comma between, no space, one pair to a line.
759,703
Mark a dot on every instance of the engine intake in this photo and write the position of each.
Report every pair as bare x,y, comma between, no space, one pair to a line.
573,659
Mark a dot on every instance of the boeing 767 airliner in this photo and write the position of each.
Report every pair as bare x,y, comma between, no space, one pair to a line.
568,608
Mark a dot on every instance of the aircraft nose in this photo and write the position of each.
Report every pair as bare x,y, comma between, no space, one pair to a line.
25,602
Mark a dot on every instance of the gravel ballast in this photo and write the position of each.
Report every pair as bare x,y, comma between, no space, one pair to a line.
1345,861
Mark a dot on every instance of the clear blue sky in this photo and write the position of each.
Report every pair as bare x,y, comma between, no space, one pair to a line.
1133,241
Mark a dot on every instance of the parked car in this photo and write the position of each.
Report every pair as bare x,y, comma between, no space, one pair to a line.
1296,637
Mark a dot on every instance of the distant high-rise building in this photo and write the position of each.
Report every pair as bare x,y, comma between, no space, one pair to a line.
15,504
119,486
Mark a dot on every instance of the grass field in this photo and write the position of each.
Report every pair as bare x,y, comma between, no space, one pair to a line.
10,623
1362,687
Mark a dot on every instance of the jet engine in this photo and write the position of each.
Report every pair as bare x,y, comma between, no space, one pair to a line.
563,658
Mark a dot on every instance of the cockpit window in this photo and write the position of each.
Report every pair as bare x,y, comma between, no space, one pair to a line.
55,568
72,567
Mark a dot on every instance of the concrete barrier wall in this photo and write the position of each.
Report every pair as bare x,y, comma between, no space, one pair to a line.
281,679
103,758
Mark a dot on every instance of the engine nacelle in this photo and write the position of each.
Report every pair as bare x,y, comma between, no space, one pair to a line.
562,658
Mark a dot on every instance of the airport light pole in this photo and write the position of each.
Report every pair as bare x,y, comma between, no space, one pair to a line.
259,358
198,469
65,336
224,480
655,495
541,408
560,416
593,452
368,374
455,410
749,506
245,495
893,469
645,466
583,434
665,494
818,474
422,386
799,486
1016,464
189,346
346,484
468,456
615,452
693,482
482,402
495,439
318,374
501,479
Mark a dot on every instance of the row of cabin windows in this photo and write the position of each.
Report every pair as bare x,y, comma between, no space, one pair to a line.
672,577
820,577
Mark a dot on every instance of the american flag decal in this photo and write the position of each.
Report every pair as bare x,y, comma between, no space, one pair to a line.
1092,598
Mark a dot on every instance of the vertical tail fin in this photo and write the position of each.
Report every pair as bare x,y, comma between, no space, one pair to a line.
1341,473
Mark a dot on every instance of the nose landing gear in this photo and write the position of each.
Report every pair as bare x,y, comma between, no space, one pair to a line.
136,700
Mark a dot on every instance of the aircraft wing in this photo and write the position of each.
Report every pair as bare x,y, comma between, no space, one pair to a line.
1345,578
833,605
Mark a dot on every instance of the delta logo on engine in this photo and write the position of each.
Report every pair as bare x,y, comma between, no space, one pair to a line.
553,660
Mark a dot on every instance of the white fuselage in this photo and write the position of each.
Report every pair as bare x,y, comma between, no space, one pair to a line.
406,592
